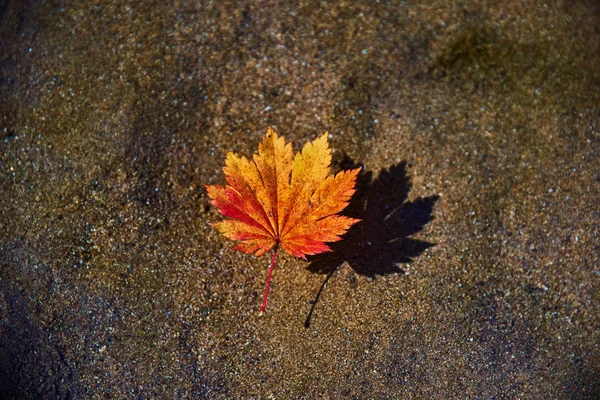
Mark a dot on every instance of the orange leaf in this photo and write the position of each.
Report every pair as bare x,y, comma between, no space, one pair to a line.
278,199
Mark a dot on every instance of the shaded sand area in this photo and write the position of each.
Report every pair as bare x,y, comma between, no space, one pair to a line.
474,274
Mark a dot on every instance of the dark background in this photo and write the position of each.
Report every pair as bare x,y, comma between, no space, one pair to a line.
474,274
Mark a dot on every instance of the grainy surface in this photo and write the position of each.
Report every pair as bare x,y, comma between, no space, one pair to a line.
476,270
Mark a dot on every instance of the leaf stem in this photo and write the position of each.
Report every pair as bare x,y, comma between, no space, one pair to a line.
264,303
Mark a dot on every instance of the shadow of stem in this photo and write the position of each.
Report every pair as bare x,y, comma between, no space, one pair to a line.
314,303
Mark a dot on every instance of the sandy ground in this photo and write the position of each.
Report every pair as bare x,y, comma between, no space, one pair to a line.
474,274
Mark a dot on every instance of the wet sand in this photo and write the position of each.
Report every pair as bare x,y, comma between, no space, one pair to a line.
475,272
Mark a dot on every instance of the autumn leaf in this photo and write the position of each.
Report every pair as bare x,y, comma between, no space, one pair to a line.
276,199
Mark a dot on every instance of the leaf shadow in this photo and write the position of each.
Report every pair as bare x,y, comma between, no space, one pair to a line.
382,240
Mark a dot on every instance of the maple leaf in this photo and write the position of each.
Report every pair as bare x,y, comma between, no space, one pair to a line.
277,199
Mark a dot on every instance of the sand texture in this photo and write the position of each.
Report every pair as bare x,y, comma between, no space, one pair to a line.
475,272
